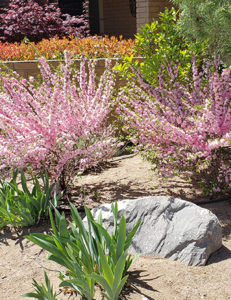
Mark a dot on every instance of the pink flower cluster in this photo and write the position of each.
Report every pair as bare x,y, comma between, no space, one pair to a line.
65,118
183,127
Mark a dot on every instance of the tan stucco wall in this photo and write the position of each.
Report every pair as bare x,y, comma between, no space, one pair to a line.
146,10
118,19
30,68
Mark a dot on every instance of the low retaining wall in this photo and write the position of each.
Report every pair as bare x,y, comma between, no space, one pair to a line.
30,68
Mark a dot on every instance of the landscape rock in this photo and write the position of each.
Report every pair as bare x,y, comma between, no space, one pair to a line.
170,228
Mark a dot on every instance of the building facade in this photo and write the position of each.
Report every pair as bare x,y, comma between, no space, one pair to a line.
113,17
124,17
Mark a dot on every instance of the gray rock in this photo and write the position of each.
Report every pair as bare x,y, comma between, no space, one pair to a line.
170,228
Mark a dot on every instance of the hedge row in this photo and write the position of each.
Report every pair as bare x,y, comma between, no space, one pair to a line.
53,48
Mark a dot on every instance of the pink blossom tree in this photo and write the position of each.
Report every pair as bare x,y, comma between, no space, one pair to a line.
183,127
61,125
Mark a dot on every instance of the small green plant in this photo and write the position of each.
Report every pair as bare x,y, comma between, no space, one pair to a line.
91,255
42,292
112,279
22,207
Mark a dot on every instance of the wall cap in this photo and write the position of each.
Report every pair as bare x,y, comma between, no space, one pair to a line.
62,60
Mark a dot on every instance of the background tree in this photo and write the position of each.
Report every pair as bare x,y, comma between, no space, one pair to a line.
208,20
39,20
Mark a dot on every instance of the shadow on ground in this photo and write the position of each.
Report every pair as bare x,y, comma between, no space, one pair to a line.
222,254
138,282
117,192
18,234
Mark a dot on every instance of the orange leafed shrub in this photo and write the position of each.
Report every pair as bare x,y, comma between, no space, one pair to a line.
9,51
53,48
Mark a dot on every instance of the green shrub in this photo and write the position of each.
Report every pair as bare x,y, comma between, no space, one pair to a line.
88,255
160,44
22,207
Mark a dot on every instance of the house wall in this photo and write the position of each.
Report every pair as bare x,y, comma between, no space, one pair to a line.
146,10
4,3
117,18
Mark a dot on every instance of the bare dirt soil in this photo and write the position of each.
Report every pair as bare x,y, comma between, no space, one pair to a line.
126,177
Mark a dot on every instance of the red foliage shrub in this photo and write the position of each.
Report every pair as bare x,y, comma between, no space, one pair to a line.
38,20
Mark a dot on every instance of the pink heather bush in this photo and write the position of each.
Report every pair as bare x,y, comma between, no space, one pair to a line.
61,125
183,127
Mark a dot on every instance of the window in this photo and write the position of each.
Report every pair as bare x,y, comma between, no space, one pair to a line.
71,7
132,5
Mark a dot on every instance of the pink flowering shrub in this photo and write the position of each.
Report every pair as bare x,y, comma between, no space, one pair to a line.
60,125
183,127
